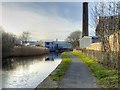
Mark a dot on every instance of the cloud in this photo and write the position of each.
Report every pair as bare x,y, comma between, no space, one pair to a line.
17,20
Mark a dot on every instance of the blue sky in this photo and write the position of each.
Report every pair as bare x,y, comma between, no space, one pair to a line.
45,20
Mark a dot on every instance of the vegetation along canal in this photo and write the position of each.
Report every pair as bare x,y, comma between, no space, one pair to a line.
28,72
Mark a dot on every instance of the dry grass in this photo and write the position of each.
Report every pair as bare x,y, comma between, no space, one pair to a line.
27,51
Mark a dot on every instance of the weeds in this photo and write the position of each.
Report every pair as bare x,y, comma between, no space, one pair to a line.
62,68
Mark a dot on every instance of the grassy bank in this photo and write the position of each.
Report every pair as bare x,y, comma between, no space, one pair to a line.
105,77
62,68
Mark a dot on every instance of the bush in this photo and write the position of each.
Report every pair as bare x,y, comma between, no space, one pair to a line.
7,42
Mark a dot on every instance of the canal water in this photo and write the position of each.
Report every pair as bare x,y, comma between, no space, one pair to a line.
28,72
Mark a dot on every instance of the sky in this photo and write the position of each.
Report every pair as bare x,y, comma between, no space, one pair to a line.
44,20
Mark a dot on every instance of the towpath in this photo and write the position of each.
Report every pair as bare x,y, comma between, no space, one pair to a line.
78,75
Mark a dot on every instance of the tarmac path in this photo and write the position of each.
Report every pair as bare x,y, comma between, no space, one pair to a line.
78,75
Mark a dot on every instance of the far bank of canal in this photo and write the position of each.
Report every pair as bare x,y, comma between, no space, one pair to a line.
28,72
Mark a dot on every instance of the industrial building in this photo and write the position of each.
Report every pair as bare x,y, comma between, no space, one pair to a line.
58,45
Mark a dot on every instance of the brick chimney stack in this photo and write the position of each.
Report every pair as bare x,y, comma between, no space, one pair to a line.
85,19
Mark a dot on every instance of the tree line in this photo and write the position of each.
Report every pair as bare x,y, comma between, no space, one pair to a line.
9,41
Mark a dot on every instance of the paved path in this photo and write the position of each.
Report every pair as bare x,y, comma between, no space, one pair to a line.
78,75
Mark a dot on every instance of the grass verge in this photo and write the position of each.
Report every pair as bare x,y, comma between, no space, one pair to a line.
62,67
106,78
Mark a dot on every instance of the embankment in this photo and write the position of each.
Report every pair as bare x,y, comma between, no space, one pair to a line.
25,51
53,80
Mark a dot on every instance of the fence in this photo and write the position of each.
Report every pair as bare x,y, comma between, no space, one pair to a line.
111,58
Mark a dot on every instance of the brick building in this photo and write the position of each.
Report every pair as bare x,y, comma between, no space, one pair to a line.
108,25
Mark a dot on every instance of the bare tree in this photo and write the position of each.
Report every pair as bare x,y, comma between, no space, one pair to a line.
25,36
74,38
107,22
7,43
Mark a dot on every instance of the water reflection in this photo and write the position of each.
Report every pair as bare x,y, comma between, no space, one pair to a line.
28,72
52,56
13,63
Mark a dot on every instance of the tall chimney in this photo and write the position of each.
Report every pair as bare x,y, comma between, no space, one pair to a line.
85,19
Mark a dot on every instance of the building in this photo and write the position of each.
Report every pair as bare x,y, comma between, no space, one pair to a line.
50,45
86,41
107,25
58,45
28,43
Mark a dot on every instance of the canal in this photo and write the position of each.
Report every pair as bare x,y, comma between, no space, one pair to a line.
28,72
